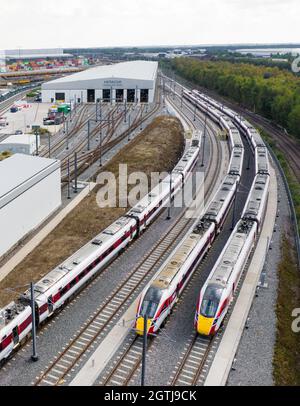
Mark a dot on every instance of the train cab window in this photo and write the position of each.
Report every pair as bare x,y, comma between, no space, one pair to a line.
210,301
151,302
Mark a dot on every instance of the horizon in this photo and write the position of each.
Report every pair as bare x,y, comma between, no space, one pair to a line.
137,23
235,45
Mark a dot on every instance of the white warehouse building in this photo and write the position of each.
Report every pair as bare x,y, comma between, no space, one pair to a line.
30,191
131,81
21,144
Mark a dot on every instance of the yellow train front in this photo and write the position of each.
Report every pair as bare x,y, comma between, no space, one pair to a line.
153,307
140,326
209,311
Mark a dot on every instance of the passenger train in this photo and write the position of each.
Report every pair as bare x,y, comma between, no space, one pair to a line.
218,291
159,297
54,289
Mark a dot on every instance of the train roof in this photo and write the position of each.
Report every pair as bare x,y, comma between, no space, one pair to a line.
257,137
237,140
170,270
262,160
185,160
79,256
236,162
10,312
255,196
231,254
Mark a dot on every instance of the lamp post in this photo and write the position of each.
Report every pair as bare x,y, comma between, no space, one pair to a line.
125,108
144,351
75,173
67,134
34,356
129,124
170,199
88,135
100,159
69,180
204,139
49,144
36,133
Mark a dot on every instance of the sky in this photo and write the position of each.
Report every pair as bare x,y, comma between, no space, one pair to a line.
98,23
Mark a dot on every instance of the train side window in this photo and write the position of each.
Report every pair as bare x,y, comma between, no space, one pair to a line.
64,291
72,283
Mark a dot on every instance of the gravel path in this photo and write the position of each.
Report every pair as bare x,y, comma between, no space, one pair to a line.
253,365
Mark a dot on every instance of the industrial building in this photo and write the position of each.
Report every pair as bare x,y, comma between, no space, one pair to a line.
131,81
21,144
30,191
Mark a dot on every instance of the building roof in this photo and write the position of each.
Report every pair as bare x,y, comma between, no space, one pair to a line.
19,139
34,53
20,172
135,70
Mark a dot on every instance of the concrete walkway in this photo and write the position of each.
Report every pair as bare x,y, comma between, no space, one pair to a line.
10,265
224,357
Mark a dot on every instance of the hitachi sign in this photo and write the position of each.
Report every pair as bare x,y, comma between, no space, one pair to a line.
113,83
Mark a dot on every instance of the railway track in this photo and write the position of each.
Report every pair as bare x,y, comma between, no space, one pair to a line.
97,326
194,361
128,363
109,143
199,351
288,145
122,373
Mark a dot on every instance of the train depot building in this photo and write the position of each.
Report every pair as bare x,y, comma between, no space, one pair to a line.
133,82
30,192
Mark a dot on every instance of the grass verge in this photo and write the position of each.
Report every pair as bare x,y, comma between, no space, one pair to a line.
286,361
291,178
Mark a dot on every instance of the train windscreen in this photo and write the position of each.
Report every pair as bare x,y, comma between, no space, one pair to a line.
151,302
210,301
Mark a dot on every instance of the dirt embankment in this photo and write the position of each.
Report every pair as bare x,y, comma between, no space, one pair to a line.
158,148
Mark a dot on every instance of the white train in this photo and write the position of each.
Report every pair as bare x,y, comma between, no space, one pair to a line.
218,290
53,290
159,296
256,142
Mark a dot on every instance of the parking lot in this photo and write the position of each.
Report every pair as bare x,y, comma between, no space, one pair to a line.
28,114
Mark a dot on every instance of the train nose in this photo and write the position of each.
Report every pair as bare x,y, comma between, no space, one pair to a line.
140,326
204,325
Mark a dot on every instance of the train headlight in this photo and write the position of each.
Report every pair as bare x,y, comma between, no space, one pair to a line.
140,325
204,325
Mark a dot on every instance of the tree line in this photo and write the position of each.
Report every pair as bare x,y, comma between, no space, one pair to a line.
272,92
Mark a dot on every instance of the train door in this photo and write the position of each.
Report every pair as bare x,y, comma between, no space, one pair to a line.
15,334
50,304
